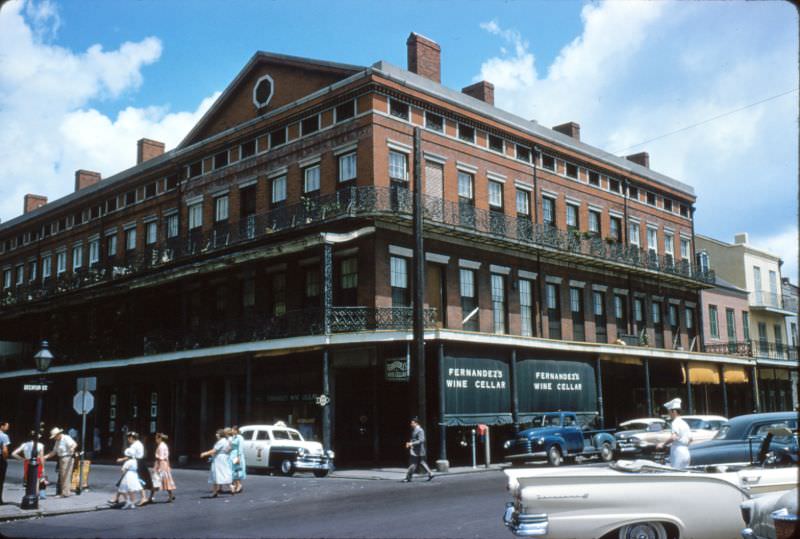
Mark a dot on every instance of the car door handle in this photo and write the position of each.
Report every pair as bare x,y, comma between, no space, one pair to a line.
751,478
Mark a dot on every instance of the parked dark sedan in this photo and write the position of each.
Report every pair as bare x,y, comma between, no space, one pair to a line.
740,439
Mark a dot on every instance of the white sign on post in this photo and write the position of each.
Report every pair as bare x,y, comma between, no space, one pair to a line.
83,402
87,383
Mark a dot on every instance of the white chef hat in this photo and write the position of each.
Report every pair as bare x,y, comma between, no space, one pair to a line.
674,404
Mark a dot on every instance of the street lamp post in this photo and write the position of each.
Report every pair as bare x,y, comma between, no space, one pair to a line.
43,358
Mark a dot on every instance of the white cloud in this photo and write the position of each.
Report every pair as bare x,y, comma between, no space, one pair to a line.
642,69
48,99
783,243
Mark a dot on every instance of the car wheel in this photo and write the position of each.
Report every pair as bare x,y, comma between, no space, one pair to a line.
554,456
606,452
643,530
287,467
320,473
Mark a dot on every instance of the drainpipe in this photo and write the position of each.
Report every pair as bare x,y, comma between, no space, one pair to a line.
602,416
689,403
700,329
724,390
514,391
419,282
443,465
647,387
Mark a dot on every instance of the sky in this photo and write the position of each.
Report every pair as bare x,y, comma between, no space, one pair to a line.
709,89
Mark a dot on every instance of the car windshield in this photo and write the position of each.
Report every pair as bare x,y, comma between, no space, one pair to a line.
722,433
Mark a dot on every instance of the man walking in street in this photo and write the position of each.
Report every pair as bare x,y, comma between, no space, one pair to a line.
416,449
5,442
63,448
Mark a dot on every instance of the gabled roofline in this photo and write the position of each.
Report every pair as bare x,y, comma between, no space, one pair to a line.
417,82
255,59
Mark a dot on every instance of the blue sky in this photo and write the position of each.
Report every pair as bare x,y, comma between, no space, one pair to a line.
89,78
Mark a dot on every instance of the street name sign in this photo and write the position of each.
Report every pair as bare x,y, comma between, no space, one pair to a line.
34,387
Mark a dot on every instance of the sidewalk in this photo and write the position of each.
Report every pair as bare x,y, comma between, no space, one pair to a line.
88,500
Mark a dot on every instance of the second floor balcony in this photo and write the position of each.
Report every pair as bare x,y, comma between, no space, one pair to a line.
762,299
755,349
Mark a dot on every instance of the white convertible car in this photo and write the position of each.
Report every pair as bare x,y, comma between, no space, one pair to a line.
636,499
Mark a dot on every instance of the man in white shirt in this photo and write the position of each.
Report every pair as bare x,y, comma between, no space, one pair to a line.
680,438
63,448
5,441
25,453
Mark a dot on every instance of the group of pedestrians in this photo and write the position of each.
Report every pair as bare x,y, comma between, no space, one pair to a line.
137,480
228,465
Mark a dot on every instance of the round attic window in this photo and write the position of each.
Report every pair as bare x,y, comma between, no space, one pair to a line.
262,91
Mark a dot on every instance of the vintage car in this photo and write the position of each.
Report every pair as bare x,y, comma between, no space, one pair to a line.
283,449
556,436
740,438
635,435
636,499
704,427
771,516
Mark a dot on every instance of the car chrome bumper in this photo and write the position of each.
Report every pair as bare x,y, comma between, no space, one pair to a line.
524,525
313,463
533,455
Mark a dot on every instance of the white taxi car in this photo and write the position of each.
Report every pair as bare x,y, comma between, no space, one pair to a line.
283,449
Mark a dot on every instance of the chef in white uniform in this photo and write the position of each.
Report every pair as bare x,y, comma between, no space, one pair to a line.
680,438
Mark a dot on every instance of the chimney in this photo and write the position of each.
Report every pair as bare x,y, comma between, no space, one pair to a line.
482,90
571,129
740,239
147,149
85,178
424,57
641,158
33,202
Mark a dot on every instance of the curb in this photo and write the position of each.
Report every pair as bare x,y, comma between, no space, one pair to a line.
39,513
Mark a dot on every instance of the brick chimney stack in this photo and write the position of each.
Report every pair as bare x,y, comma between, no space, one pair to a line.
482,90
33,202
147,149
424,57
642,158
571,129
85,178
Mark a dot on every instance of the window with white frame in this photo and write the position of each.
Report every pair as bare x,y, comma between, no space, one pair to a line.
550,296
594,222
278,189
638,311
689,312
398,166
652,239
151,232
195,215
434,122
47,266
713,321
349,269
685,250
347,167
655,307
111,243
633,234
130,239
499,302
7,279
465,185
172,225
311,179
61,262
221,208
21,274
618,307
398,279
77,257
523,202
495,194
525,307
575,300
313,283
94,251
32,270
549,211
669,245
572,217
598,302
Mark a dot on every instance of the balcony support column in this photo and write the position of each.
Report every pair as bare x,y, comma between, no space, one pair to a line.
756,396
248,389
648,392
326,408
327,285
514,391
419,283
724,390
600,408
443,465
689,401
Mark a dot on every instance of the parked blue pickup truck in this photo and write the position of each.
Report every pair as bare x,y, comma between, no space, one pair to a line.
557,436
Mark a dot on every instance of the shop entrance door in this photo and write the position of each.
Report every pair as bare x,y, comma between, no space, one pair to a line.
355,421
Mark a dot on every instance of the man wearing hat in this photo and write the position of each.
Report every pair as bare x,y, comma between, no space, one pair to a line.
416,449
63,448
680,438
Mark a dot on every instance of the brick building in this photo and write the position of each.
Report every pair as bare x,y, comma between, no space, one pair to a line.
269,259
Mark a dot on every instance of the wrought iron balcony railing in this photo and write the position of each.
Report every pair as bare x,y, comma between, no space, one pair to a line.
754,349
365,201
762,298
296,323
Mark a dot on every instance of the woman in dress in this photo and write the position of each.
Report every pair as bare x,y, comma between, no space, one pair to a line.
162,467
129,484
220,465
143,471
238,464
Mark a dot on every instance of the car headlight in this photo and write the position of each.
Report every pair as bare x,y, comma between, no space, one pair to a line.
330,454
302,452
507,444
641,443
540,441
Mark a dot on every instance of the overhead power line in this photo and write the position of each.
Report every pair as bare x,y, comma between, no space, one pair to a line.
708,120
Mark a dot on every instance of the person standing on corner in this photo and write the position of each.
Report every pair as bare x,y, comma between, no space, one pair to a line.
238,463
680,437
63,448
416,450
5,442
25,453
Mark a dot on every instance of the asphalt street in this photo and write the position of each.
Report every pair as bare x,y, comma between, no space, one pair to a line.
469,505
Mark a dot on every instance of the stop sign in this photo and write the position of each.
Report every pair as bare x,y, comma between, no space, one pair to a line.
83,402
